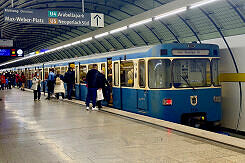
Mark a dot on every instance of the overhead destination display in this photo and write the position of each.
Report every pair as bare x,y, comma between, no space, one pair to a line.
11,53
54,17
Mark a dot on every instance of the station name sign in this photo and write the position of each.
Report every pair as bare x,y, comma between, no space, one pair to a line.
11,52
53,17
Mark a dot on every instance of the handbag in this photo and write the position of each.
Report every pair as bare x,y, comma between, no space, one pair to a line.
99,95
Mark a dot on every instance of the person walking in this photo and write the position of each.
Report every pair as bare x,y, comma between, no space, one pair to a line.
50,83
3,80
70,81
91,79
102,83
59,85
36,87
23,81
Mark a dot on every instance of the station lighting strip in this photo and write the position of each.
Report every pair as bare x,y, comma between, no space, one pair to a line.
161,16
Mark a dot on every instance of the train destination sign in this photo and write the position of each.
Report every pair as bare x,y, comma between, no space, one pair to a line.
11,53
54,17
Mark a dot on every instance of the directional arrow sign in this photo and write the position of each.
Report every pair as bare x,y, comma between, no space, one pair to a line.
97,20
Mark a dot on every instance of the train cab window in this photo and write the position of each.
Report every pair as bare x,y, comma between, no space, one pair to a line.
215,72
191,73
127,73
116,74
159,74
142,76
83,73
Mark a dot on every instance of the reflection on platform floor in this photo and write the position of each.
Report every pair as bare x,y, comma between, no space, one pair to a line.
56,131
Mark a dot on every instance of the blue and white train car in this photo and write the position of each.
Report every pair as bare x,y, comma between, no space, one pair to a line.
174,82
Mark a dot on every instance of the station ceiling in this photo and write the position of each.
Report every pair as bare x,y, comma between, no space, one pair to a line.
225,18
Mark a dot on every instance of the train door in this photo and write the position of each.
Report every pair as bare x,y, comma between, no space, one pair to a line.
72,65
142,92
109,79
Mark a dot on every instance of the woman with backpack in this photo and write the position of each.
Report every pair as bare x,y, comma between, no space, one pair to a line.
59,85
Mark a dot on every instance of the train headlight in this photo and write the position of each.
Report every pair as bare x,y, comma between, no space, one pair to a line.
167,102
217,98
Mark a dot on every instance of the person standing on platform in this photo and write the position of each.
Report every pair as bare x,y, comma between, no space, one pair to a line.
70,81
36,87
23,81
50,83
91,79
59,85
2,79
101,82
18,80
6,82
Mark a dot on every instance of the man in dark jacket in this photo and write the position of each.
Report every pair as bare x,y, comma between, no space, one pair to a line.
50,83
91,79
69,79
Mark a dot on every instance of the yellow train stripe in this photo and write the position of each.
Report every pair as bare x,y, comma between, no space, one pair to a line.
232,77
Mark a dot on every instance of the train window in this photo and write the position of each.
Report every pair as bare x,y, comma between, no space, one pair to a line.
127,73
77,74
57,69
103,68
116,74
62,71
83,73
45,73
91,67
191,73
142,73
215,72
159,74
66,69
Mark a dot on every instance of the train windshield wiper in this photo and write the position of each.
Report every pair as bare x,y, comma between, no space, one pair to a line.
187,82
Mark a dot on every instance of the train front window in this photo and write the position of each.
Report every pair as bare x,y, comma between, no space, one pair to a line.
215,72
159,74
191,73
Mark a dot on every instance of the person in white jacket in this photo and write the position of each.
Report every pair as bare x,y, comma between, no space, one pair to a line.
59,85
36,87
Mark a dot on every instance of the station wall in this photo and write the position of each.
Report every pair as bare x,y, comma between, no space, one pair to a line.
230,90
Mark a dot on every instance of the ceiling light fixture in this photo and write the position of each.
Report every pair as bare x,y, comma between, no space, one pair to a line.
118,30
182,9
201,3
101,35
140,23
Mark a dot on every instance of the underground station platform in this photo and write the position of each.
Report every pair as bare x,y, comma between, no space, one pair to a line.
61,131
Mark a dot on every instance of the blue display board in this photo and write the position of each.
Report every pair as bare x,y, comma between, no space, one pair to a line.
5,52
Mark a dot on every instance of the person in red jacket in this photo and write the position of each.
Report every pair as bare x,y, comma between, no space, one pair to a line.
23,80
2,79
18,80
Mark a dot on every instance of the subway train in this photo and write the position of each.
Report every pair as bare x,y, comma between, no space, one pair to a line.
176,82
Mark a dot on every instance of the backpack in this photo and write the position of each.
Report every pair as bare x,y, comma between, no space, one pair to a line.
58,81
